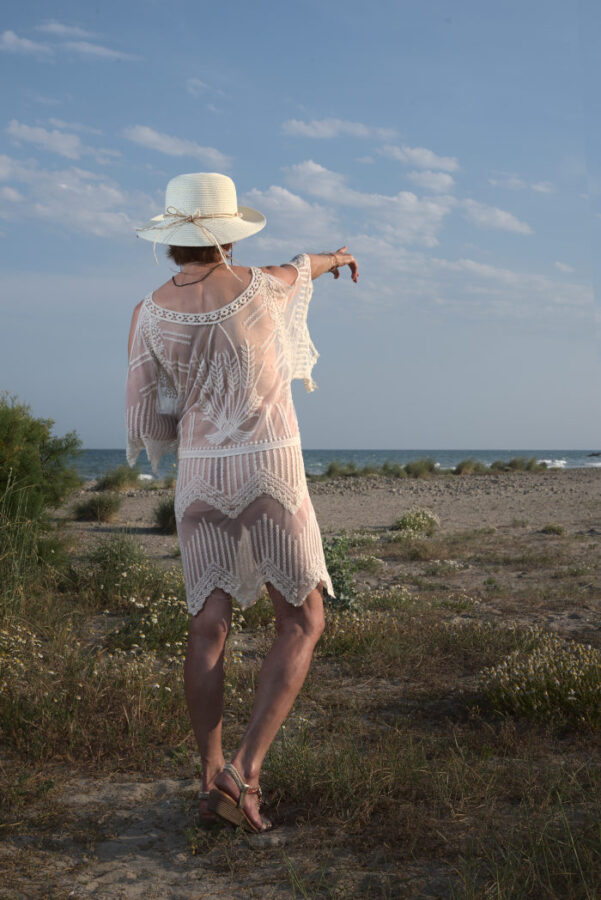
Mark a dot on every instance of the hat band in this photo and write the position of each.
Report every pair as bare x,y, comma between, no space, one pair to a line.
179,218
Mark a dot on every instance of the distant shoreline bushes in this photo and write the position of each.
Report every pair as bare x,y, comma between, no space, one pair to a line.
427,468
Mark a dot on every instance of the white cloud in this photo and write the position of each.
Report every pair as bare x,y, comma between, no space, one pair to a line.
420,157
11,194
74,199
292,222
563,267
330,128
97,51
64,31
514,294
74,126
404,217
543,187
68,145
492,217
514,183
196,87
174,146
12,43
56,141
437,182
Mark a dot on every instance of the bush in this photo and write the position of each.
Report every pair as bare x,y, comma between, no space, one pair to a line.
518,464
394,470
417,521
121,570
552,680
19,540
421,468
98,508
34,458
118,479
553,528
470,467
341,567
164,516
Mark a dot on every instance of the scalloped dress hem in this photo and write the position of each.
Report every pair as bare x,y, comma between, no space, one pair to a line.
199,597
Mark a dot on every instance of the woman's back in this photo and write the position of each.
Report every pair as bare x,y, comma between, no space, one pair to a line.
215,382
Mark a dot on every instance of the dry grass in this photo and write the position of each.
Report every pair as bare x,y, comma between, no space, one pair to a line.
401,771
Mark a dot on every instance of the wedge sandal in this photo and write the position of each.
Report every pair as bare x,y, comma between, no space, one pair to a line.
231,809
204,820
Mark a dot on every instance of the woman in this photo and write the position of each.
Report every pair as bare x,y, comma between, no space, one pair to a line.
212,353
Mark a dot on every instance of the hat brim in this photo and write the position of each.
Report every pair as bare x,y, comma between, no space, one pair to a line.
226,230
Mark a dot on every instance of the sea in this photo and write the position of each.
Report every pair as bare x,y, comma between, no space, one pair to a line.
93,463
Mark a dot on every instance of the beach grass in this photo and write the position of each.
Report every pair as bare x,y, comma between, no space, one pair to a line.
444,736
100,507
120,478
426,467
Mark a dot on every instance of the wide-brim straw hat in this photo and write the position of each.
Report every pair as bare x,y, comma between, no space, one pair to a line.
201,209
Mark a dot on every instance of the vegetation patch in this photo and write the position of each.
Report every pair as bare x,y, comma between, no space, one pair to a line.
164,516
100,507
549,679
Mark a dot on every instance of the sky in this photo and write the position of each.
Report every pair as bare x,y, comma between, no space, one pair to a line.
453,147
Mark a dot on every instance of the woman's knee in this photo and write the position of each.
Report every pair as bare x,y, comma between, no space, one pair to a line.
212,623
306,620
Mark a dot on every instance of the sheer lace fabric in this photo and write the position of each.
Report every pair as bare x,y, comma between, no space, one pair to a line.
214,388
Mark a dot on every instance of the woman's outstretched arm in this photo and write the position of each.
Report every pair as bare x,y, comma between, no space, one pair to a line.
320,263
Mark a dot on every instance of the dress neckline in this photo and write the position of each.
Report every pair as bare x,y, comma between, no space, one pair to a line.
213,315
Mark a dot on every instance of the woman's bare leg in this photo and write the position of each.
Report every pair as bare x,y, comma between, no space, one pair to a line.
280,680
203,680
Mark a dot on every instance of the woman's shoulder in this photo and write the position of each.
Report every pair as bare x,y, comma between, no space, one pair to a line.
287,272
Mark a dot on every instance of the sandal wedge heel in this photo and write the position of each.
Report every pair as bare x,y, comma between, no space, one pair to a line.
231,810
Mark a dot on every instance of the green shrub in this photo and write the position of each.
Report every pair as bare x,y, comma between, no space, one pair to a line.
470,467
394,470
164,516
32,457
518,464
421,468
341,567
553,528
31,552
118,479
417,521
99,507
159,624
552,679
120,571
19,541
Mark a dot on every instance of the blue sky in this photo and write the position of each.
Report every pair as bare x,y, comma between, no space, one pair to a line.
452,146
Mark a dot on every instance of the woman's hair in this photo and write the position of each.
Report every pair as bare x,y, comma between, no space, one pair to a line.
183,255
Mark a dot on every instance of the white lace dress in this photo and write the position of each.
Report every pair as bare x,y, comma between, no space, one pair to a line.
214,388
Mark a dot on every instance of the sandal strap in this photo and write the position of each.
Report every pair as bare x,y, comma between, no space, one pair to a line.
244,788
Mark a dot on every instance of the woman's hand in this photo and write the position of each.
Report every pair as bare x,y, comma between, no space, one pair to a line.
332,262
342,258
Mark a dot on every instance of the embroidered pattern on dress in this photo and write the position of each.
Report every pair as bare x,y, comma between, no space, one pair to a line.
232,482
264,552
215,315
228,398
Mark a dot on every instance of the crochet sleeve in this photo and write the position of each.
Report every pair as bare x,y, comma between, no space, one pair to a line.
150,403
302,349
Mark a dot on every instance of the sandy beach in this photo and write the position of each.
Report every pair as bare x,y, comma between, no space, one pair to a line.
571,497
